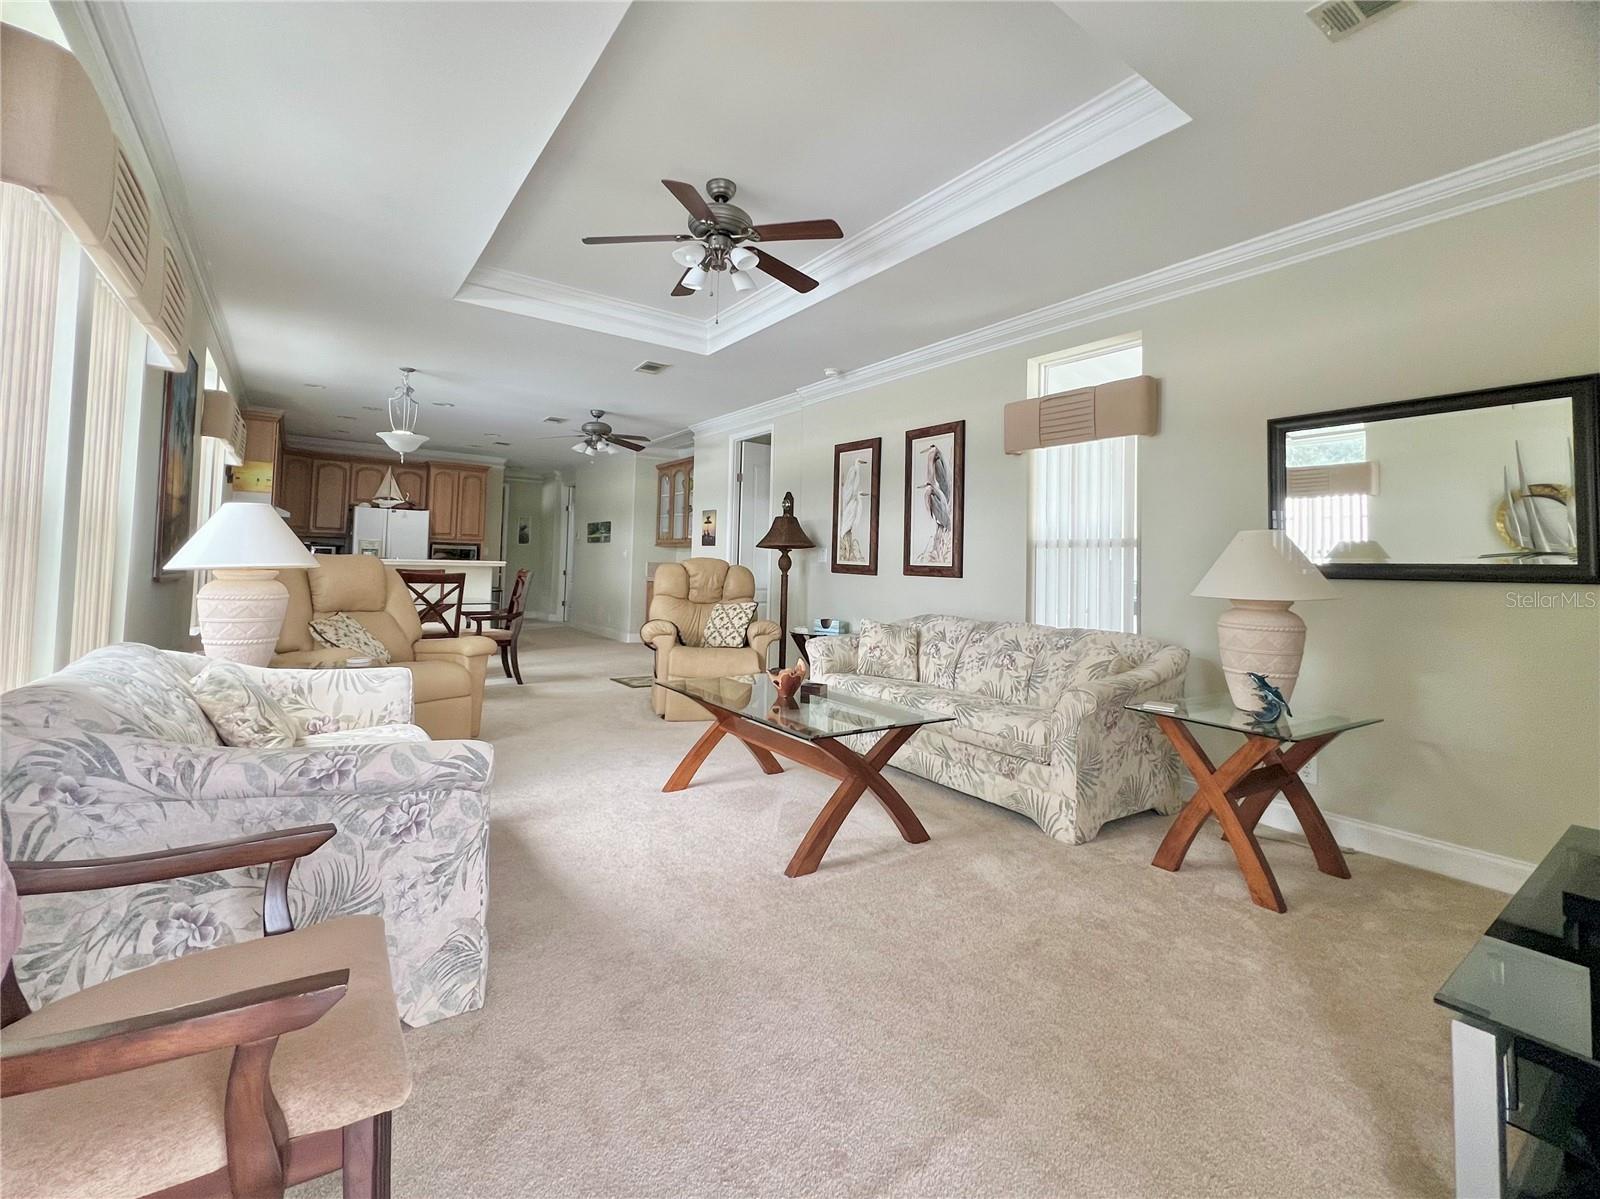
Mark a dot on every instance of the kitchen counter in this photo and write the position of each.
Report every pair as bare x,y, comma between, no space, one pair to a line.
480,574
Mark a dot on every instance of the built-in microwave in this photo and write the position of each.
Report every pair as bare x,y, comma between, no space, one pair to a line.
454,553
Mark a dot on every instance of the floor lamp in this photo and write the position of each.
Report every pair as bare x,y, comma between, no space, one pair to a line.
785,535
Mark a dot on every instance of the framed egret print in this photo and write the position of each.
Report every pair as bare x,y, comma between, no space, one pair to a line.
935,465
856,466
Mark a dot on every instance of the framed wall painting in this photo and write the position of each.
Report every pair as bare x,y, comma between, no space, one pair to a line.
935,472
856,469
175,496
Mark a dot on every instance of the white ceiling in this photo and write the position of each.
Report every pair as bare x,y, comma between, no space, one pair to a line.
349,165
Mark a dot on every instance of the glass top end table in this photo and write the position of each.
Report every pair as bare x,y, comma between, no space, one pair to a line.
1237,792
806,730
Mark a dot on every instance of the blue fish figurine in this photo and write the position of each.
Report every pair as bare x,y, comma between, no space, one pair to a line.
1273,705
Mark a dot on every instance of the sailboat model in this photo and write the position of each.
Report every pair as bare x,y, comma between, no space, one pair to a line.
388,494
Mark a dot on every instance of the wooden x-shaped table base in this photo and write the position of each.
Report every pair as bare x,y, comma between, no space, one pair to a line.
1237,793
857,773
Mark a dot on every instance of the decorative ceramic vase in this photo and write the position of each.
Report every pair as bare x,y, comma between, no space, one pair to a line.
788,682
241,614
1260,637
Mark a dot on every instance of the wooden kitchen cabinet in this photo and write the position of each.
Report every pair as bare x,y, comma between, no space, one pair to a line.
292,491
457,496
365,479
413,484
330,497
675,503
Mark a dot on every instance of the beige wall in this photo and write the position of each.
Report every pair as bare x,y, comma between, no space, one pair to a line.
1492,710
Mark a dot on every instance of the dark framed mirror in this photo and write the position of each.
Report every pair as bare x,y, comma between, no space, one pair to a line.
1493,486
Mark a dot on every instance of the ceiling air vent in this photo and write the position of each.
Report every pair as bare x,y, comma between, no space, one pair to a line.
555,420
1340,18
650,368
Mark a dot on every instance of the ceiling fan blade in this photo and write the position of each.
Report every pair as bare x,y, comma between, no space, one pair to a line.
627,445
799,231
613,241
689,196
678,289
639,437
783,272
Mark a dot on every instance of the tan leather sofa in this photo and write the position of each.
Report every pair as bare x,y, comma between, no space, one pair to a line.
446,672
681,599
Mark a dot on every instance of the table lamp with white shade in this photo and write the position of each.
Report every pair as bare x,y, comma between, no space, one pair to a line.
242,608
1262,572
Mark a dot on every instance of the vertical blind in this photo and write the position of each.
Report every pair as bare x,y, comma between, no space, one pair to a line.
30,260
1083,530
95,581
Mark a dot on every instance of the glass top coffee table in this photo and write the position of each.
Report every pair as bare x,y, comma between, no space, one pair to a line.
807,730
1237,792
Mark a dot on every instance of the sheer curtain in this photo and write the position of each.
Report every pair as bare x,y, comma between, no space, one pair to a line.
95,590
1083,527
30,261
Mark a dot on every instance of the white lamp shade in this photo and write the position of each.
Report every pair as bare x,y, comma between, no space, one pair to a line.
689,255
402,442
695,278
742,281
744,258
1263,564
243,536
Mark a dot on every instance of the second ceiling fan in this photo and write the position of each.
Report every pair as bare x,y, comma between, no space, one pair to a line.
722,237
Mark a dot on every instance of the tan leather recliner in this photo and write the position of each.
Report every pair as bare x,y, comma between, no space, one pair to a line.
446,672
681,599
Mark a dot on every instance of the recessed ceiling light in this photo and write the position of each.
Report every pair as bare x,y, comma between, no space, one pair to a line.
555,420
441,404
373,407
502,443
344,418
315,386
831,372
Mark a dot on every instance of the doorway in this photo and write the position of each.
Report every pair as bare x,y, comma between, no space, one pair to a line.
752,501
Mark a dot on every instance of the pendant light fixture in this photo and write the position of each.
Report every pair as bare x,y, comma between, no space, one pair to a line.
401,435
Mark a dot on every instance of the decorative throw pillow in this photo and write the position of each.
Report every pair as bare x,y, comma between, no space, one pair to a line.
729,624
888,651
240,708
343,631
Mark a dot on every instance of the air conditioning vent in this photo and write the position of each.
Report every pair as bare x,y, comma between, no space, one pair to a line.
128,230
1338,19
555,420
174,314
650,368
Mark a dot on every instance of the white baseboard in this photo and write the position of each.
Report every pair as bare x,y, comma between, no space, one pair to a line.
1441,857
609,634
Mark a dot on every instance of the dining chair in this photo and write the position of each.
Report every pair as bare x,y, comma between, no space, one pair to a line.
438,595
233,1071
504,626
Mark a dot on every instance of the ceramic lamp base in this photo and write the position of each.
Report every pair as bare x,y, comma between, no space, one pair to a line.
1260,637
241,614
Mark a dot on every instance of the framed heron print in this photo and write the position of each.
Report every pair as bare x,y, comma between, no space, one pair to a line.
856,467
935,466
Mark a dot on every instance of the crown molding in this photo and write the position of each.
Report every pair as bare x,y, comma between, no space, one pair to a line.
362,449
1122,118
102,39
1561,160
547,300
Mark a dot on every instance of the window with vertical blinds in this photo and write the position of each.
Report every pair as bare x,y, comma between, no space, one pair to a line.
96,596
1083,527
30,268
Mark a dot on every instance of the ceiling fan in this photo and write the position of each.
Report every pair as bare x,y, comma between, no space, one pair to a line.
721,237
595,437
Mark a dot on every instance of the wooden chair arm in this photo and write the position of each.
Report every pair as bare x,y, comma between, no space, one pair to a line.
275,849
242,1018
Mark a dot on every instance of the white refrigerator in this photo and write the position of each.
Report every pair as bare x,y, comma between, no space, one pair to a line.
389,532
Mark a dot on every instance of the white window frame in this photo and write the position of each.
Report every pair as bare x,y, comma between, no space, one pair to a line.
1086,454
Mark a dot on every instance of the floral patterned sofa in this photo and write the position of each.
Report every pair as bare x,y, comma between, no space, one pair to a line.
113,755
1039,722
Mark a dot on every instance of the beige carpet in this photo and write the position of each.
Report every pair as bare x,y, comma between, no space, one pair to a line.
992,1013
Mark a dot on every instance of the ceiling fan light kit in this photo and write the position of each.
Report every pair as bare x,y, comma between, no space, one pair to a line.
717,237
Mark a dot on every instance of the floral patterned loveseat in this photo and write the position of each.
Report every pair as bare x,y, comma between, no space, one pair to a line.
1039,722
113,755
